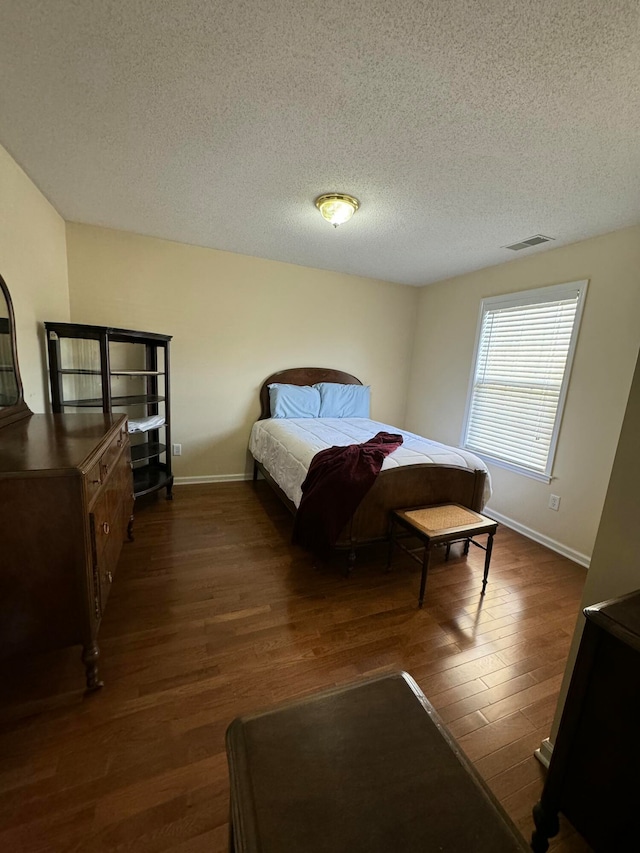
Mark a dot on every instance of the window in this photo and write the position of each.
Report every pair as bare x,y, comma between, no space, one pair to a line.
522,363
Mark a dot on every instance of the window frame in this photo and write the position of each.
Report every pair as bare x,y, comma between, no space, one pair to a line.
538,295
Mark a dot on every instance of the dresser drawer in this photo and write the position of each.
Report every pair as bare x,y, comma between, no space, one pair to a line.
114,450
106,511
101,521
108,558
109,518
99,473
93,480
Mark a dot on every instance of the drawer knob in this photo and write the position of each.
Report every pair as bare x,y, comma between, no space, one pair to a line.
105,527
109,577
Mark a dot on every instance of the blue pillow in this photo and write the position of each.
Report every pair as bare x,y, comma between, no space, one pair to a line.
343,401
294,401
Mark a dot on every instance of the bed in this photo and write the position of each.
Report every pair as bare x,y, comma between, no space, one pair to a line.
419,473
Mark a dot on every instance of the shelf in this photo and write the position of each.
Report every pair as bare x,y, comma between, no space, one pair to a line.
140,356
146,450
136,372
97,333
149,479
130,400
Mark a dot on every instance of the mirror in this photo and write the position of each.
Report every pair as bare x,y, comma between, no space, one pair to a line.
12,405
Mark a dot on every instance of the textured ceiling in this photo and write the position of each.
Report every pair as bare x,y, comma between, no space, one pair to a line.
461,125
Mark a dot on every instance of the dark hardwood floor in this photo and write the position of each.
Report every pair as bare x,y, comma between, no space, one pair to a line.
212,614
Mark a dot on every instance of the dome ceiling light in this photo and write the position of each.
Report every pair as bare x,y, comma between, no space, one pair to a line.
337,208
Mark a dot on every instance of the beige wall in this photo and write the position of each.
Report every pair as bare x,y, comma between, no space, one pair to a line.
615,567
601,378
33,262
235,320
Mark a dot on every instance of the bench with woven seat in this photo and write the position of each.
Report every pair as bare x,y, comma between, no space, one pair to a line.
440,525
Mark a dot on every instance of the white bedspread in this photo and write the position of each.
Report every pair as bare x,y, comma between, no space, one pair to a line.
286,447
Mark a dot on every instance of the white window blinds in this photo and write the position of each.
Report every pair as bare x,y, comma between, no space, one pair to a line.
523,359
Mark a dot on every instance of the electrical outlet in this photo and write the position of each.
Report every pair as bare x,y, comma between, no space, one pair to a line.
176,449
554,502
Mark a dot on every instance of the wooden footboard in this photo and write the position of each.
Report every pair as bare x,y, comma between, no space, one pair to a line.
411,486
397,488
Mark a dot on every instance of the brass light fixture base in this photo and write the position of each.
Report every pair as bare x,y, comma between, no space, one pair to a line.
337,208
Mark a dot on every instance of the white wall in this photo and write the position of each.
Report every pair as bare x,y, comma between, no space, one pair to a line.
615,565
600,381
235,320
33,262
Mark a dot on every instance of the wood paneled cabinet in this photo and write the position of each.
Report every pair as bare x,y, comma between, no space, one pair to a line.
66,500
593,774
118,370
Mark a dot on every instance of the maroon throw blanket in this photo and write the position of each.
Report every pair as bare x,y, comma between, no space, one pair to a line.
337,480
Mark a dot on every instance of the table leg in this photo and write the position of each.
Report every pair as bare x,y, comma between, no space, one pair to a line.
232,840
487,560
425,569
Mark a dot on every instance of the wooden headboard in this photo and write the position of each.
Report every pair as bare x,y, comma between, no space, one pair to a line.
302,376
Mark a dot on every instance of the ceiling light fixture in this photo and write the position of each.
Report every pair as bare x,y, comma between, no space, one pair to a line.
337,208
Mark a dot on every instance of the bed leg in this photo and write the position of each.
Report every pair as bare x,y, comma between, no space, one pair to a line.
351,559
255,471
392,542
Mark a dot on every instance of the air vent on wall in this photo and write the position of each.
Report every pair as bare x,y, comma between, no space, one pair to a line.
530,241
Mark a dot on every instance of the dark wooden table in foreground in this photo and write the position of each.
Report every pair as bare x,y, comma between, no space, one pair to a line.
364,767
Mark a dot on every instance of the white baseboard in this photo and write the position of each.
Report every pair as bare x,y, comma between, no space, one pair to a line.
211,478
558,547
543,752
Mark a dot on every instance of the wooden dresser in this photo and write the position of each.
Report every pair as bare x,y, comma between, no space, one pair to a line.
593,774
66,498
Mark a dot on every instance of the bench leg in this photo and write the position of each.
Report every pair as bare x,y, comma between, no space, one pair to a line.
487,560
467,542
351,561
425,569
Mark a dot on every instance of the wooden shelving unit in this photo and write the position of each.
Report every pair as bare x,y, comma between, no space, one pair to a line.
119,370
